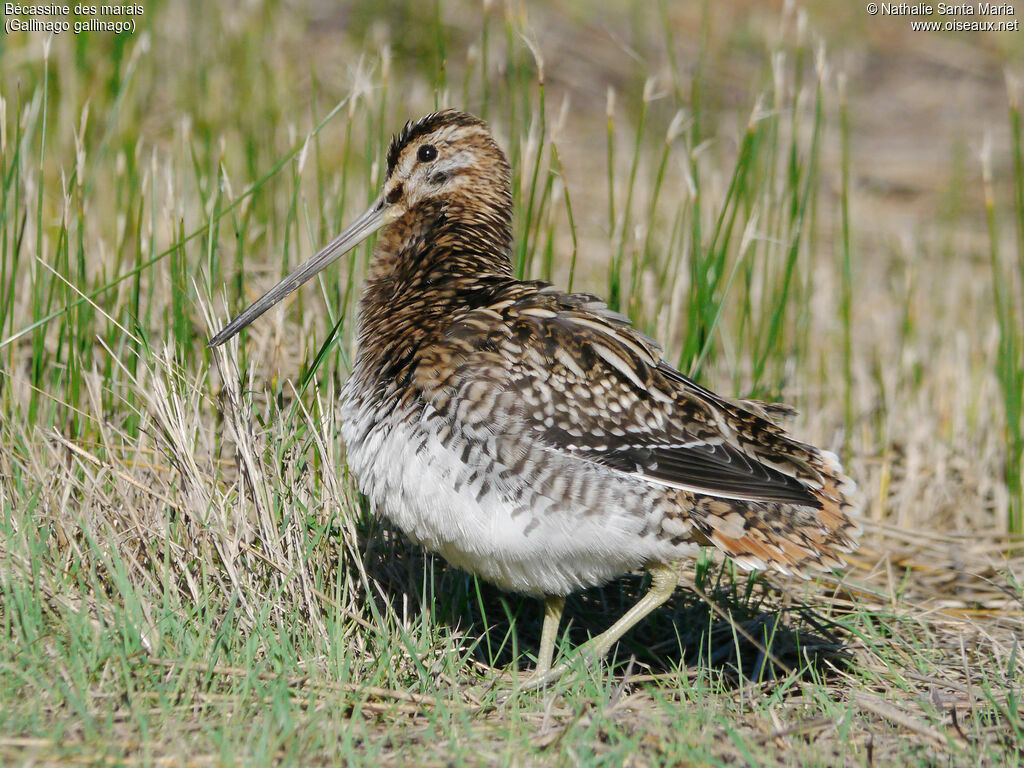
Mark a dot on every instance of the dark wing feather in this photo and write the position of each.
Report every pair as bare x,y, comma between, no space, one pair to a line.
581,380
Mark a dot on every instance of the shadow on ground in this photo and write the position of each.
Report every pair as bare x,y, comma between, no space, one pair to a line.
746,629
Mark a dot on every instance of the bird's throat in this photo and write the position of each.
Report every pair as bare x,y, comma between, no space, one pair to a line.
424,266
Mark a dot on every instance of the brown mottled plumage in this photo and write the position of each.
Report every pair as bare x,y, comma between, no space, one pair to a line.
534,437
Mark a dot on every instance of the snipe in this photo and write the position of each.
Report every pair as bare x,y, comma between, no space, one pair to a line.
534,437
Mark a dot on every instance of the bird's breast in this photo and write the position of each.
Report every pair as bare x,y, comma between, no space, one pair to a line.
541,530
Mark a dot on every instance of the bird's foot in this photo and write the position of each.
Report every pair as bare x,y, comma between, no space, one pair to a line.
582,659
542,678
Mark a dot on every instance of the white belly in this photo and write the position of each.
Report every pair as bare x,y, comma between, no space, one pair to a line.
553,549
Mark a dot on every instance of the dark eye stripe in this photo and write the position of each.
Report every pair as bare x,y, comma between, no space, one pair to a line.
426,153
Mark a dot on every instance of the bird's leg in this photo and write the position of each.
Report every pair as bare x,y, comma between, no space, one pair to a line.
553,606
664,580
663,583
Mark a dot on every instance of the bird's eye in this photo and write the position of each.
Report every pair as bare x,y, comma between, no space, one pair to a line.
426,153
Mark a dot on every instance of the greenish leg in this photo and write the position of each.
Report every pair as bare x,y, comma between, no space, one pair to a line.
663,583
553,607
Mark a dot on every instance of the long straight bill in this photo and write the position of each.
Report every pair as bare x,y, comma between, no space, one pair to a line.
369,222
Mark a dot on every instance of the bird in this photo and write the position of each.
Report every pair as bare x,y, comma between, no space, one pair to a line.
533,436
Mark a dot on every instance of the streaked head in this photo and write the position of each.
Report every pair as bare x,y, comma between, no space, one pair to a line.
441,157
436,161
